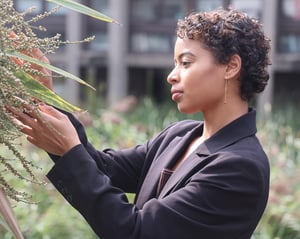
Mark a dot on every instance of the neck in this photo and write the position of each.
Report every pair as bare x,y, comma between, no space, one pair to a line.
214,120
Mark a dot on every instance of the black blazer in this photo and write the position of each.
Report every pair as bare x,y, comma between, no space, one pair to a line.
219,192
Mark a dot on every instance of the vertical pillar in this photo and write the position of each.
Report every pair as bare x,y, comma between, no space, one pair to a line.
117,51
73,33
270,10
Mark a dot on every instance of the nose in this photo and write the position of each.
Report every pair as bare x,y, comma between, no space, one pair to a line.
173,76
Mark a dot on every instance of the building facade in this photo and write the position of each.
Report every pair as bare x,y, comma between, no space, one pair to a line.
136,57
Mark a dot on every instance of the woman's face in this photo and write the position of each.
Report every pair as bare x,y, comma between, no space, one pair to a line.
197,81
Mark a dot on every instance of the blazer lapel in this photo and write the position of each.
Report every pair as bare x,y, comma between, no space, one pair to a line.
240,128
167,158
186,169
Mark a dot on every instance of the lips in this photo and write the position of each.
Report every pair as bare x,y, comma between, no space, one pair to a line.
176,94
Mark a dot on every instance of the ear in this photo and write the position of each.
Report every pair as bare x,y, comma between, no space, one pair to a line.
234,67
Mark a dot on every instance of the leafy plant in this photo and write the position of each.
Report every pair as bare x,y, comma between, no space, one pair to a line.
19,70
280,135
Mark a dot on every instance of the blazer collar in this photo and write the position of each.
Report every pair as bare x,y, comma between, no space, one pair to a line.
240,128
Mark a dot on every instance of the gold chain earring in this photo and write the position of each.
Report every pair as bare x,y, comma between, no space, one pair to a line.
225,90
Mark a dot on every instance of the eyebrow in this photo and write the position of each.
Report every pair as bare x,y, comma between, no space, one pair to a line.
187,53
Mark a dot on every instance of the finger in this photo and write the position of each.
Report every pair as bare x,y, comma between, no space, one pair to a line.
31,111
15,112
25,129
16,60
49,110
45,75
21,118
12,34
23,122
18,123
21,126
38,54
32,140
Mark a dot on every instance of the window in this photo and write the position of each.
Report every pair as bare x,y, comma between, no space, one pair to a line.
145,42
100,5
173,9
22,5
61,10
252,8
158,10
208,5
100,43
290,43
291,9
153,24
289,30
143,9
39,6
94,27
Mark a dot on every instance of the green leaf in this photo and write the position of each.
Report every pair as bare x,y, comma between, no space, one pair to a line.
83,9
41,92
48,66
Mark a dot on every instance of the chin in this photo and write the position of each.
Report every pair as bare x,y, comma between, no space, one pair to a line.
185,110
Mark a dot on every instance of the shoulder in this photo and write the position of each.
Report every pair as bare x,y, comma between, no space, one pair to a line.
178,129
182,127
249,150
175,130
246,160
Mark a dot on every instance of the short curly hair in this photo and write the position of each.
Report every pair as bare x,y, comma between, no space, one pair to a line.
229,32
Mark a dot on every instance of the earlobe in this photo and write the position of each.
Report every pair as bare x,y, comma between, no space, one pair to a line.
234,67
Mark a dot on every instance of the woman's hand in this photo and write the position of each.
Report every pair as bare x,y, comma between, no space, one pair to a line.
45,75
46,128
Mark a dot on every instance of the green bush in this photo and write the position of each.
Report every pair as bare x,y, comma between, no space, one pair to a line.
52,217
280,135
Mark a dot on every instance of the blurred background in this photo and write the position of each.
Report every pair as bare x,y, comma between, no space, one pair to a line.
128,66
135,58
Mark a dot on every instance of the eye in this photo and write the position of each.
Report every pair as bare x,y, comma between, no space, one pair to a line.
185,63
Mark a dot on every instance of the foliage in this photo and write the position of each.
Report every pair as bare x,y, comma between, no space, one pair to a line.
17,35
18,86
21,70
280,135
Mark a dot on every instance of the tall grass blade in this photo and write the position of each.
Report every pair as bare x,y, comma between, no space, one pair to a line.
48,66
8,215
41,92
83,9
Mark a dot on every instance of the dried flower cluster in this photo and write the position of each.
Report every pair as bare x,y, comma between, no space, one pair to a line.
18,35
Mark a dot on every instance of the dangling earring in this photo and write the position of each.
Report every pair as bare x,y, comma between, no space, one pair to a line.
225,90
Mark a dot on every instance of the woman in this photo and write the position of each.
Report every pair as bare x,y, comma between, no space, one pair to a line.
196,179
